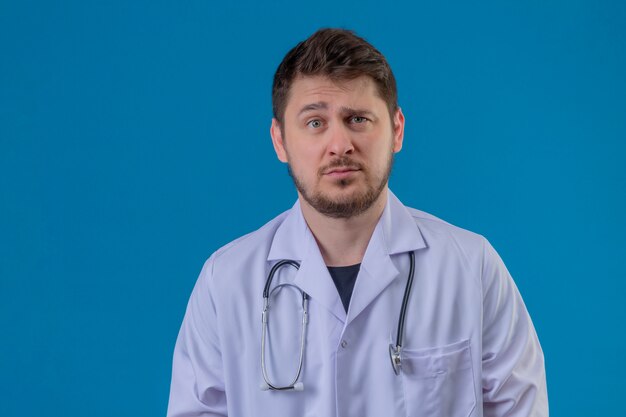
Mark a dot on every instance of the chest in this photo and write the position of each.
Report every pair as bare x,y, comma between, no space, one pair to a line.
346,368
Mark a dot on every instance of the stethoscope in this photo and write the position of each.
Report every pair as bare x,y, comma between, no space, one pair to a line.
395,351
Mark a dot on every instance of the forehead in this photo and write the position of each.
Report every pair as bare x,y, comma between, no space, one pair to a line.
359,92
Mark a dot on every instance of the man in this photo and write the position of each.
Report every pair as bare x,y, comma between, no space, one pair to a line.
382,310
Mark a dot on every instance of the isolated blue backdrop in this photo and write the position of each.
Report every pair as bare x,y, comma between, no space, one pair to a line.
134,142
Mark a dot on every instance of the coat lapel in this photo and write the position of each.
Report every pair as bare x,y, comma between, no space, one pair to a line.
293,240
396,233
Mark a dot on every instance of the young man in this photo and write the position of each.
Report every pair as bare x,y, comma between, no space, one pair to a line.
381,310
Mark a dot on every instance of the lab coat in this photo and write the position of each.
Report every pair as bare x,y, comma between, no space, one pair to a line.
470,348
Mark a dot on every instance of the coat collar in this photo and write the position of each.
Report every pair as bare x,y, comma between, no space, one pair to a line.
395,233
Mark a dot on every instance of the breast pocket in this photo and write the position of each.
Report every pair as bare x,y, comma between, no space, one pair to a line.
438,382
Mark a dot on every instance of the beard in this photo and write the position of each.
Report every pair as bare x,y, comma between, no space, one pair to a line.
348,205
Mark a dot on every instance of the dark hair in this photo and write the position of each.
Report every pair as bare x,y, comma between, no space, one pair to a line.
338,54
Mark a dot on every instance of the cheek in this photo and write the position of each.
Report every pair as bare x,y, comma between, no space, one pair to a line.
381,155
302,162
305,155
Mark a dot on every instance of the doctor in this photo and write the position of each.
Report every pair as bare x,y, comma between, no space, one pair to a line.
332,341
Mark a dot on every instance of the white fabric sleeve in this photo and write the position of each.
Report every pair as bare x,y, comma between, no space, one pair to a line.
514,379
197,387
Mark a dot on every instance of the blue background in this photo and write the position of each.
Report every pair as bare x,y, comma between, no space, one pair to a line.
134,142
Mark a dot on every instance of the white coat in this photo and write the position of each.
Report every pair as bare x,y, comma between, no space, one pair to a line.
470,348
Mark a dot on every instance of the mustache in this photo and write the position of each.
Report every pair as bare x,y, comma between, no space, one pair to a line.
341,162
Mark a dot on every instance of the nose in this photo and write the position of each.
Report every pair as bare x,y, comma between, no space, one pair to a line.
340,141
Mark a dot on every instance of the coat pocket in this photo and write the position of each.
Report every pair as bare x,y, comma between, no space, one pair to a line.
439,382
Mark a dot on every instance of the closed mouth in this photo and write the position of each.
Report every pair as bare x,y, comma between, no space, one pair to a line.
340,170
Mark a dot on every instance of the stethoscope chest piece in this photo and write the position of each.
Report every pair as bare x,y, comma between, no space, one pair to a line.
395,353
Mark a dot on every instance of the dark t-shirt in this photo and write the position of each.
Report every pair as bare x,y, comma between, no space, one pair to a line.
344,278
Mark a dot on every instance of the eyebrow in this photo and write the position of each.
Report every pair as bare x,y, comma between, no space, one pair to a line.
361,112
322,105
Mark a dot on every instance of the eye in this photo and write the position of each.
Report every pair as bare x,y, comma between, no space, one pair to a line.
315,123
358,119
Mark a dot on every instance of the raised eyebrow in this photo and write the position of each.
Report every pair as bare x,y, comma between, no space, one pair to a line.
313,106
349,111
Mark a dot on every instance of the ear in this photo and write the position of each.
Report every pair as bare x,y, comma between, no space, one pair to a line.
398,130
277,140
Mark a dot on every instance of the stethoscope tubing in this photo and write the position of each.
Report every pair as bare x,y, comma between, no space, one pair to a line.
265,318
405,301
395,352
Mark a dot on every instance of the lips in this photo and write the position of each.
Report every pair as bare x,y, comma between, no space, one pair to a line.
340,166
341,170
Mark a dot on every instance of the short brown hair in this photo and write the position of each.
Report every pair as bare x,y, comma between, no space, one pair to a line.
338,54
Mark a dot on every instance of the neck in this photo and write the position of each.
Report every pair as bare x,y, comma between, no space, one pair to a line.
343,242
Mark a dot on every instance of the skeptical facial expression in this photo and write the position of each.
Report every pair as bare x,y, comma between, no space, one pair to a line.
338,139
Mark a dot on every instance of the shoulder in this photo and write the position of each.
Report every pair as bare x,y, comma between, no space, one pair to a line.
449,242
251,245
474,248
435,229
